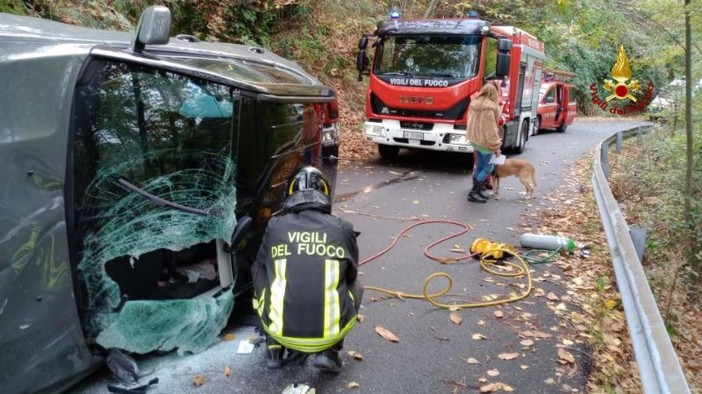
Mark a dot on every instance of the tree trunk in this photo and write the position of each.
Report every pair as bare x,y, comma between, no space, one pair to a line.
688,115
430,8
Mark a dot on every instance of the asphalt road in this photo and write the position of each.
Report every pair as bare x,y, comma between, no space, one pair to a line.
430,357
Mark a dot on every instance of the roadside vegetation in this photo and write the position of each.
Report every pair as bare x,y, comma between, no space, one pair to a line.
648,180
657,180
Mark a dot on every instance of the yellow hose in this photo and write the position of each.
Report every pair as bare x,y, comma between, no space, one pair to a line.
489,254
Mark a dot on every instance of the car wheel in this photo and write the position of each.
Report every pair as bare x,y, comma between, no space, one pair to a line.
388,152
562,128
521,138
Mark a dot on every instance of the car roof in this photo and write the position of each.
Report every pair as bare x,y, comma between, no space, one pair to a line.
45,33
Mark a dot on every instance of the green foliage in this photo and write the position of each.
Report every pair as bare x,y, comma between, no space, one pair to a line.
601,283
13,7
655,201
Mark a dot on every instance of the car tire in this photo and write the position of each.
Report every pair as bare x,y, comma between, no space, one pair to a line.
388,152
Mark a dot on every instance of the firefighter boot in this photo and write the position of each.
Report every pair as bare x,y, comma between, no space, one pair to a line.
328,361
274,354
474,194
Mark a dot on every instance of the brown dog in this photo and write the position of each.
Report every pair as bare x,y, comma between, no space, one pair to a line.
521,168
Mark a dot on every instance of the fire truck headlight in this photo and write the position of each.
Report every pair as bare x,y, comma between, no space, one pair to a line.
374,130
457,139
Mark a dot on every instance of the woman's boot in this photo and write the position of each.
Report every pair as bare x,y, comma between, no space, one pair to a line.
474,194
482,190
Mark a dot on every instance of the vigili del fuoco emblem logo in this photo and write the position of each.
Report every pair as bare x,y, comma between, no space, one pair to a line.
622,87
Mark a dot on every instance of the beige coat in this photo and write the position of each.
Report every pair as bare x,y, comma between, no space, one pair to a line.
483,117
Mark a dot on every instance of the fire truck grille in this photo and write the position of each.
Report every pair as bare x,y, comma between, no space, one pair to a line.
416,125
422,142
454,113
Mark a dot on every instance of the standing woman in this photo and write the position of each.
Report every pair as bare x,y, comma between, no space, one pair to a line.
482,131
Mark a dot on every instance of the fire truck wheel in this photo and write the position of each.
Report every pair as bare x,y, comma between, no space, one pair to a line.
562,128
521,138
537,124
388,152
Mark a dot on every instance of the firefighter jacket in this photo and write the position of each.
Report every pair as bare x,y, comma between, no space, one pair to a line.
303,273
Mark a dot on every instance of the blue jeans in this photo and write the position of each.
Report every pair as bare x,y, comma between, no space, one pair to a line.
483,168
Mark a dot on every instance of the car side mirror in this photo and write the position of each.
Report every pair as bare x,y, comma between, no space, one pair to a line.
153,28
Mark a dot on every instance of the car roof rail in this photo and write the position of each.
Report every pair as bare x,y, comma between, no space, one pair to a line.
154,28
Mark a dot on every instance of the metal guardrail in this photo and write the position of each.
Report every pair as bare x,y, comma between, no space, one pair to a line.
658,364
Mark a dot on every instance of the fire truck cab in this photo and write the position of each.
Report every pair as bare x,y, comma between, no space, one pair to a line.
557,106
425,72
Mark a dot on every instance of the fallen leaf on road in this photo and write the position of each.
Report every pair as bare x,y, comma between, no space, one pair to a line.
566,356
499,314
387,334
472,361
360,318
457,250
527,342
493,372
536,334
353,385
455,318
198,380
551,296
497,386
227,371
478,336
523,366
447,261
454,308
508,356
550,381
229,337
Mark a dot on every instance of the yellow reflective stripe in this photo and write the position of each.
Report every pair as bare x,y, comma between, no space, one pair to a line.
332,309
259,303
311,345
275,313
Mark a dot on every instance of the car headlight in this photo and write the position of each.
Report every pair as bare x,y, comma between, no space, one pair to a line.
457,139
374,130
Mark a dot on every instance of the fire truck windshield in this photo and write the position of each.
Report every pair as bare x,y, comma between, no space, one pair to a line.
455,57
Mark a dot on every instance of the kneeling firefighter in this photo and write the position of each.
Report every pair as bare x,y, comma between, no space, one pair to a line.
306,292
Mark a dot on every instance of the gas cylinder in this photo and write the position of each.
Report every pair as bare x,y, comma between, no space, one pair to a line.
547,242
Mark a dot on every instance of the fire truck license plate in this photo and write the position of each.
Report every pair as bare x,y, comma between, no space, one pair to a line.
414,136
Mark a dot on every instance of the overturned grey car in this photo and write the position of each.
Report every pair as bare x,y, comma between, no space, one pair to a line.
138,174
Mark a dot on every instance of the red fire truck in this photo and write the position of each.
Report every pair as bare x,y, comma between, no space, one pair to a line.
557,106
425,72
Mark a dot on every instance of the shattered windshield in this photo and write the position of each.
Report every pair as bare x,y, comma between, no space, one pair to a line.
428,56
153,188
